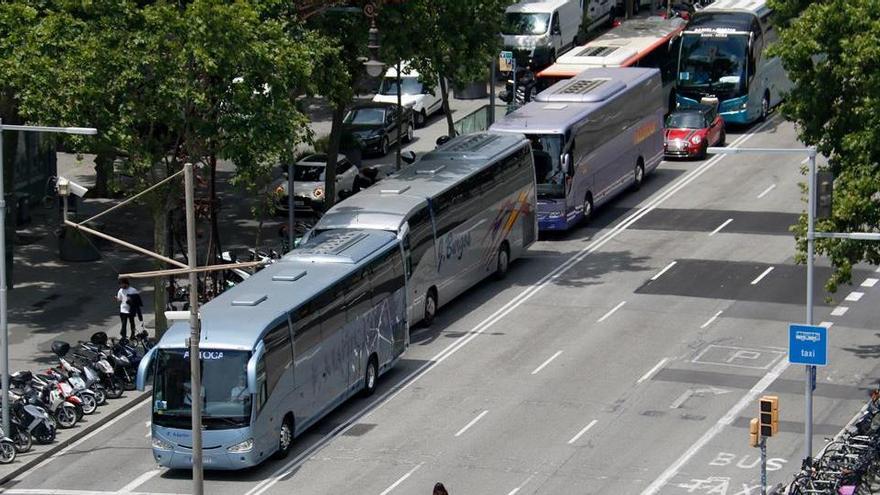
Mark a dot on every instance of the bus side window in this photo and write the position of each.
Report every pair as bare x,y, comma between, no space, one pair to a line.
262,392
407,248
278,354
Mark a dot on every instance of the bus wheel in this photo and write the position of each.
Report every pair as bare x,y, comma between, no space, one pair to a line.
430,306
371,375
765,107
503,261
588,207
638,175
285,438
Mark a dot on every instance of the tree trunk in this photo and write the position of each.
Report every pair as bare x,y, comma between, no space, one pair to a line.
160,240
103,171
332,152
444,95
214,247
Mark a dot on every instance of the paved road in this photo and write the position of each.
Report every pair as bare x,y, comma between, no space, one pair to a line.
624,357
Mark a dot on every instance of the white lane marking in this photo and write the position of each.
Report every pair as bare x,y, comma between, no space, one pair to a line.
545,363
481,327
839,311
661,272
653,370
725,420
762,275
699,392
854,296
149,430
878,269
772,187
826,324
79,442
402,479
472,423
581,433
710,320
718,229
870,282
140,480
613,310
520,487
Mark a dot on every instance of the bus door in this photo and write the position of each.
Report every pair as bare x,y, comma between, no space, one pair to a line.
358,305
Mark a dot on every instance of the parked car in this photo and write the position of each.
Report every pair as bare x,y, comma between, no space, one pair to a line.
374,126
415,95
309,175
690,131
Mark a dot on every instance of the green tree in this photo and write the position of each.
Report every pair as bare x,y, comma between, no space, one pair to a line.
832,56
165,83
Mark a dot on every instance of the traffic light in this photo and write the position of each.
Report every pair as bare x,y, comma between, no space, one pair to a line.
754,429
769,415
824,194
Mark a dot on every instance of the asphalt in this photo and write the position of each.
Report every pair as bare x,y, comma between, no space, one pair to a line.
587,370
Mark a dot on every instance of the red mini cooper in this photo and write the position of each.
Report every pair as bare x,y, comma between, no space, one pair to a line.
691,130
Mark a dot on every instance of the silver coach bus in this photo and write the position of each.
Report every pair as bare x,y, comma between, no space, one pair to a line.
464,210
281,350
592,137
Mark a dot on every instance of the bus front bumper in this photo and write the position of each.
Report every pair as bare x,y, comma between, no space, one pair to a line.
212,459
172,449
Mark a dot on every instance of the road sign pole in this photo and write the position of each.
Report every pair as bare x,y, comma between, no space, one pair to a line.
808,388
763,466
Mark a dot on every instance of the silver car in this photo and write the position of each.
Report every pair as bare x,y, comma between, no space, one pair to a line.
308,181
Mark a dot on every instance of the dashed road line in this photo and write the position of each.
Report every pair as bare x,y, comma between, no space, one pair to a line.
402,479
653,370
520,487
545,363
772,187
710,320
826,324
472,423
854,296
718,229
661,272
870,282
584,430
613,310
762,275
839,311
140,480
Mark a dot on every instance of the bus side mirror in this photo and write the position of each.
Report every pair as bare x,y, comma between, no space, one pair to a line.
252,369
566,164
144,369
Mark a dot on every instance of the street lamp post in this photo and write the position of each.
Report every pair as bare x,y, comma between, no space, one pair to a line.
4,325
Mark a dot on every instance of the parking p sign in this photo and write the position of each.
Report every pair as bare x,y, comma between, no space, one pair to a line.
808,344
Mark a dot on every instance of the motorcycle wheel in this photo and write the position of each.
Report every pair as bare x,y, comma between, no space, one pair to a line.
45,436
114,389
7,452
65,416
23,441
79,411
89,403
100,396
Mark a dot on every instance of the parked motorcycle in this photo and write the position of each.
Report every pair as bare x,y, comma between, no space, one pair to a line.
7,449
32,418
83,377
37,392
19,435
86,354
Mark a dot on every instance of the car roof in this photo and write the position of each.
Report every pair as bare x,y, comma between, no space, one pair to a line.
373,104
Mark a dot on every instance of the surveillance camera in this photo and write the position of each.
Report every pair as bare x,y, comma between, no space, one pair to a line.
67,186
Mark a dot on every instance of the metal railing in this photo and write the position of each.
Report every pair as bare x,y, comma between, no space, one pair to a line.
478,120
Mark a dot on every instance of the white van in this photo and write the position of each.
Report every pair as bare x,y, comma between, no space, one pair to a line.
415,95
538,31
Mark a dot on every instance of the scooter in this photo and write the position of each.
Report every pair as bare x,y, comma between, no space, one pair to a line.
19,435
87,400
7,449
81,378
64,413
87,355
33,419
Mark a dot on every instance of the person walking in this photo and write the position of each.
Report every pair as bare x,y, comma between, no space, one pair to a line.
125,314
136,305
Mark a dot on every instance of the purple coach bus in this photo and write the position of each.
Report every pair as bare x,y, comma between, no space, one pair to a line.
592,137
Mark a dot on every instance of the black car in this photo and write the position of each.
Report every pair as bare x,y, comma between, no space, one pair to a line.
374,126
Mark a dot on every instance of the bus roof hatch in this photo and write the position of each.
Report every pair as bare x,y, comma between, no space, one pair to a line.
586,91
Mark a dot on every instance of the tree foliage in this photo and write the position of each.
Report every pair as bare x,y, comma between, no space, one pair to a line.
832,56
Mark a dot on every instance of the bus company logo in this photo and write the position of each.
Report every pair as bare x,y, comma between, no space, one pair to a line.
645,132
206,355
454,246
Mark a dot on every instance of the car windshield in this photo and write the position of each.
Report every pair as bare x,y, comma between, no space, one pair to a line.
521,23
685,120
369,115
410,85
712,64
546,151
226,402
308,172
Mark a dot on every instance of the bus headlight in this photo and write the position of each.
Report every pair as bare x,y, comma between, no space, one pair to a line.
696,139
160,444
245,446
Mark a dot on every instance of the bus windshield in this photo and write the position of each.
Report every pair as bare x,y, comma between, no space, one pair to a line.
226,402
714,64
546,151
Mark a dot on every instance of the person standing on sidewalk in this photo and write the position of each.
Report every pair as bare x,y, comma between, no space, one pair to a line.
125,314
136,306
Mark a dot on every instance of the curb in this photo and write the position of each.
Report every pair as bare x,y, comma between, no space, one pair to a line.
58,446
